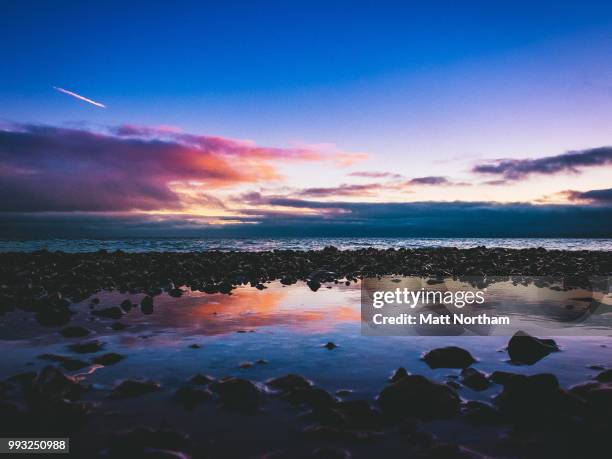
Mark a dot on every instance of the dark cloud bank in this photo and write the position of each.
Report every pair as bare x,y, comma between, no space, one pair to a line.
340,219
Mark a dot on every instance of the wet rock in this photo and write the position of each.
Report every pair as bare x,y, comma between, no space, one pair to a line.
526,349
245,364
113,312
52,384
108,359
344,392
237,393
134,388
604,376
86,347
474,379
359,414
194,346
74,331
126,305
191,396
68,363
311,396
530,400
139,442
596,367
146,305
448,357
175,293
289,382
200,379
118,326
54,315
480,413
398,374
501,377
334,434
261,362
313,285
288,280
329,346
417,396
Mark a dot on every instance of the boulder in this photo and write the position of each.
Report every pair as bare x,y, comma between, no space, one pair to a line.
526,349
448,357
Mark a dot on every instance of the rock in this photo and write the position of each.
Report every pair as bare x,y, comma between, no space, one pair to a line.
330,453
474,379
313,285
329,346
126,305
191,396
200,379
52,384
114,312
526,349
54,316
480,413
68,363
108,359
175,293
417,396
136,443
448,357
398,374
532,400
74,332
447,451
344,392
134,388
237,393
311,396
501,377
86,347
604,376
194,346
146,305
118,326
245,364
289,382
261,362
358,414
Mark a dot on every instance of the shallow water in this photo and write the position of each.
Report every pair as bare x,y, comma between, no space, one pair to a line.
287,328
287,243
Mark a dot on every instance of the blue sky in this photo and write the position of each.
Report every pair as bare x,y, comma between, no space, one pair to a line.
411,88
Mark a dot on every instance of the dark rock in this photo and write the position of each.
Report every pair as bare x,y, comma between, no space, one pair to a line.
447,451
289,382
313,285
52,384
604,376
195,346
244,365
74,331
86,347
191,396
68,363
237,393
311,396
344,392
474,379
114,312
501,377
134,388
146,305
329,346
417,396
127,305
108,359
526,349
118,326
358,414
398,374
480,413
200,379
448,357
330,453
532,400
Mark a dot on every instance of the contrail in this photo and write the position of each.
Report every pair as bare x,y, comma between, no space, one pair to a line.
78,96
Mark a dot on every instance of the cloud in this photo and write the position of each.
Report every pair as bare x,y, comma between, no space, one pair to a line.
603,196
369,174
300,218
45,168
368,189
573,161
431,180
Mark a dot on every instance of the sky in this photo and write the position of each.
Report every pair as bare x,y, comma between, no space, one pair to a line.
318,118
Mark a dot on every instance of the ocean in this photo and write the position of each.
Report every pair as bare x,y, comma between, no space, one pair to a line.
281,243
